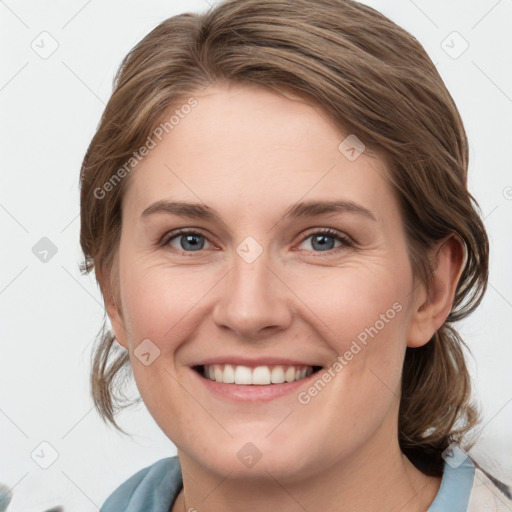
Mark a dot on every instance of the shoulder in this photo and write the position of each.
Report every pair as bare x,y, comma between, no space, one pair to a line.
152,489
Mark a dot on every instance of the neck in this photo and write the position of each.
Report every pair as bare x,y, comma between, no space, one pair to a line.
375,479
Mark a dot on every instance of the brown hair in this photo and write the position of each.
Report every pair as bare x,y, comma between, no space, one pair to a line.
376,81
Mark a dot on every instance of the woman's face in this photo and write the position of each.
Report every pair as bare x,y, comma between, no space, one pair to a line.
258,282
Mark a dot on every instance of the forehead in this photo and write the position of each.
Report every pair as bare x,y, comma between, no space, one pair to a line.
243,149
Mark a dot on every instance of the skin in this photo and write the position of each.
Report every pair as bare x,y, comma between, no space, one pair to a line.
249,154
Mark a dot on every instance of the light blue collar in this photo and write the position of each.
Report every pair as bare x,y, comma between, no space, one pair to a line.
155,488
152,489
456,487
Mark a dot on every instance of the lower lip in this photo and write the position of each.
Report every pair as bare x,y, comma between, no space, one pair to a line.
254,392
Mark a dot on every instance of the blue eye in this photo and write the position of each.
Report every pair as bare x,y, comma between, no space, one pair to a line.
322,240
189,241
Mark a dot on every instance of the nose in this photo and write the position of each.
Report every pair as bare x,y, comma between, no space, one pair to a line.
254,301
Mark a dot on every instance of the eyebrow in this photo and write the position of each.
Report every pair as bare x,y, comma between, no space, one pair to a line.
301,209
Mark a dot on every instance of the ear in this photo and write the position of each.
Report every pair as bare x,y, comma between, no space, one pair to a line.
432,305
109,285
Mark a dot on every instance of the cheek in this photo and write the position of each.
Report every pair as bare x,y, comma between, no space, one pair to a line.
158,302
359,303
363,315
162,305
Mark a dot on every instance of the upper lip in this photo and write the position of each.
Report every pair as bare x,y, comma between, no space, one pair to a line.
253,362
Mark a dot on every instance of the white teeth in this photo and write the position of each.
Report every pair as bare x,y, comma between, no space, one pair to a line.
277,375
260,375
243,375
229,374
289,374
218,374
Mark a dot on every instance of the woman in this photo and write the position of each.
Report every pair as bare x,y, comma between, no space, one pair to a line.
276,209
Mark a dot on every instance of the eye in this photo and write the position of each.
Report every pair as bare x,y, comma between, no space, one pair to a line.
324,239
186,241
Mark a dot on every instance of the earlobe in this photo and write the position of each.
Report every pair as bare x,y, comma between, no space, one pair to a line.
110,294
433,304
116,320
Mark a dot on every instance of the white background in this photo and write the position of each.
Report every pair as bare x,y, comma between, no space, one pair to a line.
50,313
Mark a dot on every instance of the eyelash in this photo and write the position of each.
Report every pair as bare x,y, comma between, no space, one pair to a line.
346,242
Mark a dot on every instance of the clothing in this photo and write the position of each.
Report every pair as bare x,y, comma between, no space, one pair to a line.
464,488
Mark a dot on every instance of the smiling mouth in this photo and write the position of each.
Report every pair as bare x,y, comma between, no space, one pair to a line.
259,375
